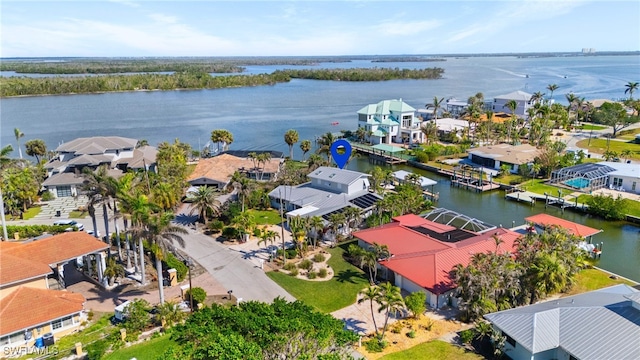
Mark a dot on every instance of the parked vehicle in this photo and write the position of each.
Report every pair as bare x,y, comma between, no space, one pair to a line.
72,225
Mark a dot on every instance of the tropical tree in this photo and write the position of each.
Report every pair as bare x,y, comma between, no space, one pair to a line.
371,294
614,115
430,131
18,134
552,88
436,105
291,137
140,210
100,188
305,146
361,133
170,313
316,224
391,302
325,143
5,161
243,223
630,88
204,202
537,97
36,148
161,233
242,185
221,136
512,105
336,220
415,303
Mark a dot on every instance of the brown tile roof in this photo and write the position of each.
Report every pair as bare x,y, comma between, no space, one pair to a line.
220,168
29,307
14,269
57,248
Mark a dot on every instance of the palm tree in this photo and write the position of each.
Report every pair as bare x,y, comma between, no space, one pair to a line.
305,146
4,162
626,154
351,214
325,143
336,220
243,223
391,302
100,188
430,131
435,105
316,224
291,137
371,294
537,97
242,185
161,234
140,209
552,88
170,313
204,202
512,105
370,260
222,136
18,134
630,88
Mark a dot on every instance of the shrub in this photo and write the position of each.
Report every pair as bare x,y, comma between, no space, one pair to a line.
199,296
257,232
47,196
318,258
230,232
411,334
289,266
174,263
375,345
322,273
396,328
608,207
416,303
215,226
294,272
97,349
466,336
312,274
305,264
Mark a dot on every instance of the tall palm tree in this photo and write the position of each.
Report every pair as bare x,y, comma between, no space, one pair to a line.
336,220
537,97
18,134
141,210
630,88
316,224
324,143
391,302
305,146
371,294
4,162
204,202
512,105
242,185
436,105
161,234
101,189
291,137
552,88
430,131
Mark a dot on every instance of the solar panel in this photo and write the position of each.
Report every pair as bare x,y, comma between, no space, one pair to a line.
365,201
449,236
326,216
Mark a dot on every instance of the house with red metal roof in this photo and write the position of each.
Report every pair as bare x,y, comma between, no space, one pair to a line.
33,302
423,253
545,220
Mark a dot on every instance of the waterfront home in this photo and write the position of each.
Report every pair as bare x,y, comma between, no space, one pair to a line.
33,302
390,121
218,170
600,324
119,154
522,99
331,190
605,174
456,107
494,156
423,252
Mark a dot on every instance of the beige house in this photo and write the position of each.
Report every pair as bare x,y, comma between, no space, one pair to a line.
218,170
494,156
34,307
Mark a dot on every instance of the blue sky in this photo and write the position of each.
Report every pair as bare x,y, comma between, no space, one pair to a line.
269,28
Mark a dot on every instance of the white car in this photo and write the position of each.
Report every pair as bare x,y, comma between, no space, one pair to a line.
90,232
71,224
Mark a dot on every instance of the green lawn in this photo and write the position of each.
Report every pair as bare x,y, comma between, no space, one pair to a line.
30,213
592,127
628,134
435,349
539,187
633,207
594,279
264,217
331,295
599,146
75,214
148,350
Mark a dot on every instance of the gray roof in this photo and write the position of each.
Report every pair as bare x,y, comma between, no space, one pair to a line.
516,95
97,144
601,324
622,169
63,179
336,175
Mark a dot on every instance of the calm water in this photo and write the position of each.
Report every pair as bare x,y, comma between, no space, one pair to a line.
259,116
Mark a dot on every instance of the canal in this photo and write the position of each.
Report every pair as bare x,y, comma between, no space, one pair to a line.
621,240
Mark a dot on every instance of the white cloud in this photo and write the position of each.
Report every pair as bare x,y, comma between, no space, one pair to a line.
126,2
161,18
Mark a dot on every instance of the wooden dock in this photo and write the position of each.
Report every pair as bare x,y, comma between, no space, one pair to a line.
549,200
525,196
379,155
474,184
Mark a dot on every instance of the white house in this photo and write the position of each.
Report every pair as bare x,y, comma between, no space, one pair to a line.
626,177
391,121
600,324
330,190
522,98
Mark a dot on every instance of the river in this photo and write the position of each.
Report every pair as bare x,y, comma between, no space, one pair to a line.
259,116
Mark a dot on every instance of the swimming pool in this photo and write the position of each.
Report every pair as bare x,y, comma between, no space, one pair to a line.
578,183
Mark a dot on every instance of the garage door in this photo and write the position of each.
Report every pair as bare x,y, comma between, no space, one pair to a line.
63,191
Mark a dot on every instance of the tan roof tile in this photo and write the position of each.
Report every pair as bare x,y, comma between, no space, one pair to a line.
57,248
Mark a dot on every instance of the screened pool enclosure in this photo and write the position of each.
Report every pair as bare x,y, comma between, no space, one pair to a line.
584,177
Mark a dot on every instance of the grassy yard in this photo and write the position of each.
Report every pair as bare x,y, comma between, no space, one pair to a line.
435,349
148,350
75,214
599,146
331,295
628,134
264,217
633,207
592,127
539,187
30,213
593,279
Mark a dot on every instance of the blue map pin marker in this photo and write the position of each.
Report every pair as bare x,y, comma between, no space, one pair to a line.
341,152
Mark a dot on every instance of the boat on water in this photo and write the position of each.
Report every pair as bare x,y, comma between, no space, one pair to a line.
335,123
